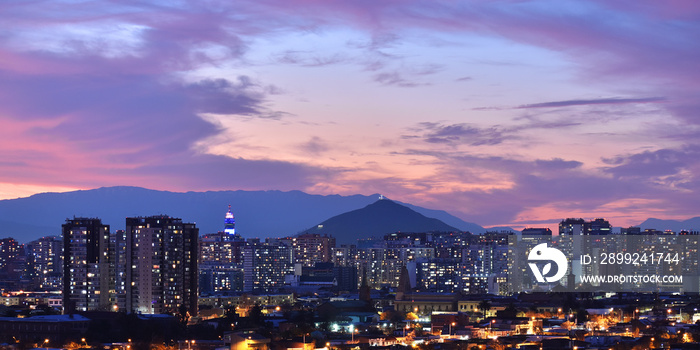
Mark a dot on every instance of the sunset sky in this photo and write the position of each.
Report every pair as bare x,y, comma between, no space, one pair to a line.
516,113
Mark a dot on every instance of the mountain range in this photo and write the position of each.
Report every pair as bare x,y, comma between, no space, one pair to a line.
258,213
692,224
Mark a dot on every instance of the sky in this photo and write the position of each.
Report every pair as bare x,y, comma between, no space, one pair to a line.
503,113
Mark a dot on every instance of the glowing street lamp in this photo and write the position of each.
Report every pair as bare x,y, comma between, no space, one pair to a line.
46,343
451,325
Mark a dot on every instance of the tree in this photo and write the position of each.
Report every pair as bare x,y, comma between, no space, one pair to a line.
255,315
183,315
484,306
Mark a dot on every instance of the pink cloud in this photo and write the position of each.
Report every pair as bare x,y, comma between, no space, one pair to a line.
92,112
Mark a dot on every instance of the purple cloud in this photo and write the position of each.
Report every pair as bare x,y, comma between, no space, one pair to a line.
128,117
315,146
394,78
599,101
310,59
458,134
557,164
563,186
206,172
649,164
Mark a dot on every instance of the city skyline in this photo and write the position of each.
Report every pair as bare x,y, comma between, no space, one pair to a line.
504,114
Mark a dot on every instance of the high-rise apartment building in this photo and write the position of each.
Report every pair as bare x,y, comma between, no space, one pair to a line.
86,264
536,231
266,264
12,263
345,255
383,266
160,265
440,275
572,227
599,227
118,268
9,252
45,263
481,263
311,248
595,227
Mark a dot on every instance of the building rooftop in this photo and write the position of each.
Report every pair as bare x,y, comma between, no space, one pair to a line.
47,318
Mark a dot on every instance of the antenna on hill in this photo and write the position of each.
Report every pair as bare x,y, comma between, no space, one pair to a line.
381,196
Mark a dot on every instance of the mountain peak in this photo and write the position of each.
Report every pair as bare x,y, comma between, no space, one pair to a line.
381,217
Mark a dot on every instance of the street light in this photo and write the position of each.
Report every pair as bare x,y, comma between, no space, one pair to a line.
451,325
46,343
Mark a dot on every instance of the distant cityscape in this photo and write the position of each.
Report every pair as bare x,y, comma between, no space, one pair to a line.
159,283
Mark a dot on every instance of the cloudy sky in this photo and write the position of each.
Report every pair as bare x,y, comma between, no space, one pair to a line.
515,113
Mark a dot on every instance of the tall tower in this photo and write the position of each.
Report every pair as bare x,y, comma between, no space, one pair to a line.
229,222
86,277
221,259
161,265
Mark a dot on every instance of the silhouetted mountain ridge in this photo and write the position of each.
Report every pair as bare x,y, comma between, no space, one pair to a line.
258,213
379,218
692,224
